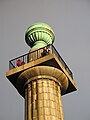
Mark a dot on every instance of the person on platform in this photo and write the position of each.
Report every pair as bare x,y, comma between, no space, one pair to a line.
19,62
46,51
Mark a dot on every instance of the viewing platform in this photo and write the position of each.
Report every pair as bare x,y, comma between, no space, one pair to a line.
38,54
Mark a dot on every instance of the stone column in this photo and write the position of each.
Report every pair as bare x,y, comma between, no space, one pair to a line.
43,88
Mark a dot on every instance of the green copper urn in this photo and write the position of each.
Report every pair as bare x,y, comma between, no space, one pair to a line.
39,35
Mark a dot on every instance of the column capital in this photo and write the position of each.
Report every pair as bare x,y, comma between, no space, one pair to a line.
39,72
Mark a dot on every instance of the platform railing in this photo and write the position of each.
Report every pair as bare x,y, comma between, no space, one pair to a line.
38,54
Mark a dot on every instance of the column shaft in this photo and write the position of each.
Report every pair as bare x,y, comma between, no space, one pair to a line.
43,100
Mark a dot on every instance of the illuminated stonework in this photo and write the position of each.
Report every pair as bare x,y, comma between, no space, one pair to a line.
43,93
41,79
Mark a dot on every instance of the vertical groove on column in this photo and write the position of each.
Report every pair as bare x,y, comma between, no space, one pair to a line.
34,102
49,97
43,98
58,102
61,110
31,101
54,104
26,104
37,100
